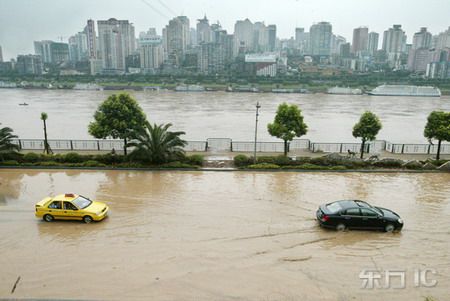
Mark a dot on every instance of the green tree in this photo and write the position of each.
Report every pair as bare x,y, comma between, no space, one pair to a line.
156,144
288,124
6,141
367,129
119,116
438,127
44,118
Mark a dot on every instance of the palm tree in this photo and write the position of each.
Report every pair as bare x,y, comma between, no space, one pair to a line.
155,144
47,149
6,143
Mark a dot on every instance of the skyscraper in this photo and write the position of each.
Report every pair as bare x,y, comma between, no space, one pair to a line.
1,55
203,31
243,36
360,40
272,36
443,40
116,41
177,39
394,43
320,39
422,39
52,52
151,53
373,43
301,39
78,49
91,39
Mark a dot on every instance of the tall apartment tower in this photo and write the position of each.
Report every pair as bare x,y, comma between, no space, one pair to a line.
243,36
394,43
177,39
1,54
372,46
320,35
116,41
91,39
272,36
360,40
422,39
203,31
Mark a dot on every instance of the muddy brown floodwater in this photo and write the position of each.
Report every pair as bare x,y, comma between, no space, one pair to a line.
220,236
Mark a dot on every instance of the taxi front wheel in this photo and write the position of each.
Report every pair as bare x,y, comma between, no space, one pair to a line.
87,219
48,218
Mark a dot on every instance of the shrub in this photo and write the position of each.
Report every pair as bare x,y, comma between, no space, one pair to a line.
323,161
241,160
310,166
11,156
338,167
177,164
355,163
9,163
72,158
388,163
265,159
301,160
31,157
93,163
263,166
282,160
46,163
195,160
109,159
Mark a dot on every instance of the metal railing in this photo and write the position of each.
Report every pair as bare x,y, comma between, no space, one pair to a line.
227,144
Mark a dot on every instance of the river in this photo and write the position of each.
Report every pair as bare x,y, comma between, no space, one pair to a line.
330,118
220,236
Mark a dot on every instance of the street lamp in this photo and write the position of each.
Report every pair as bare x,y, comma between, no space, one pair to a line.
256,130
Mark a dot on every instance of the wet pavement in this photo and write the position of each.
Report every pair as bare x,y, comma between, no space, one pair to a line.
220,236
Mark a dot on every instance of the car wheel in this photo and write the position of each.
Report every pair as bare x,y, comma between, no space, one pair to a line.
389,228
48,218
341,227
87,219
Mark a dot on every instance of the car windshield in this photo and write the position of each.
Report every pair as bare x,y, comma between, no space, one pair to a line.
334,207
81,202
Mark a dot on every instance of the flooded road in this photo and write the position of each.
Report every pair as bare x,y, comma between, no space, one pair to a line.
330,118
219,236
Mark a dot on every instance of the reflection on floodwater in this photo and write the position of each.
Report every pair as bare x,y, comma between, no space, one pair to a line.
202,235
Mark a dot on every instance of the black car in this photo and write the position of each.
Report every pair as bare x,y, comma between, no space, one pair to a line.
341,215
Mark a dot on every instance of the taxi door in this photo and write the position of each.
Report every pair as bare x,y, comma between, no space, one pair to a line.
71,211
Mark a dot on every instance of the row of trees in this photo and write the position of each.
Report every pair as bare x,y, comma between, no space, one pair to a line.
121,117
289,123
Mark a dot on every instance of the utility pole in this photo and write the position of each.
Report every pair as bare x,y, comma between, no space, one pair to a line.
256,131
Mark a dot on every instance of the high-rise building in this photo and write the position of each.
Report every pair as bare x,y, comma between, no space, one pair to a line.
151,53
345,50
203,31
116,41
52,52
443,40
301,39
372,46
394,44
336,42
177,39
78,47
243,36
360,40
29,64
91,39
1,55
422,39
320,39
211,58
272,36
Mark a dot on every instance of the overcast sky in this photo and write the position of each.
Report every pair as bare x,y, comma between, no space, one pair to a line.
23,21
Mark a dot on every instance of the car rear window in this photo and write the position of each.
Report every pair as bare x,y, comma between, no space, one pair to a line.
334,207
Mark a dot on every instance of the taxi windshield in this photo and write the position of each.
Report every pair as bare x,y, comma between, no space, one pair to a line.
81,202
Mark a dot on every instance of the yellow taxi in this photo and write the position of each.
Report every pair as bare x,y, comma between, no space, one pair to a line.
71,206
